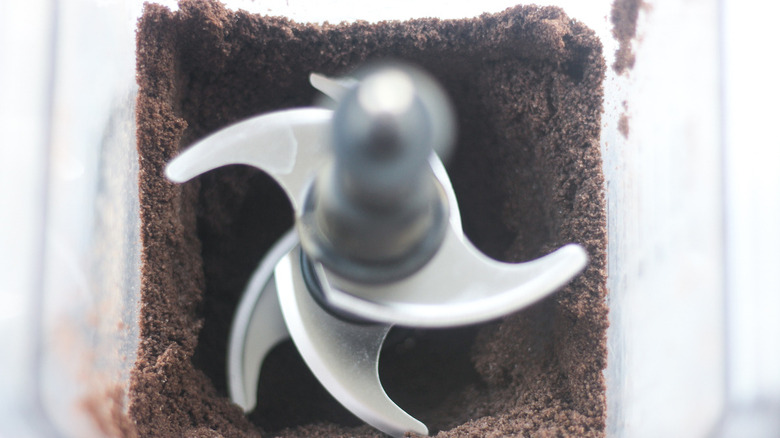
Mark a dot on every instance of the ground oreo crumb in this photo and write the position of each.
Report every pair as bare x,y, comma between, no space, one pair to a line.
527,171
624,16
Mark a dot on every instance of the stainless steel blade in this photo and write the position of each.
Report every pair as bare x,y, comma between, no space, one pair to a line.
257,327
343,355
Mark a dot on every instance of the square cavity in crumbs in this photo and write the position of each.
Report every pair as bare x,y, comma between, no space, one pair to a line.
527,87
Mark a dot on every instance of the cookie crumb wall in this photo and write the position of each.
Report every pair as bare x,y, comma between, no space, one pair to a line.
526,84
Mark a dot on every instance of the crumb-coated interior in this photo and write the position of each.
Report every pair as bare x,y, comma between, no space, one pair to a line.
526,84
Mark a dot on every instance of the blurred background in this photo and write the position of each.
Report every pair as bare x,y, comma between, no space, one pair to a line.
693,192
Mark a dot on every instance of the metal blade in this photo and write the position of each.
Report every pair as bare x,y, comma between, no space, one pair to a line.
257,327
444,180
459,286
289,145
332,87
344,356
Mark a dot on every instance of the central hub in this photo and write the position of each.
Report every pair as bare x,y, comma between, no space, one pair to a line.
377,213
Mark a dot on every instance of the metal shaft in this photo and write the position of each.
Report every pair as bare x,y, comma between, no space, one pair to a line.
377,213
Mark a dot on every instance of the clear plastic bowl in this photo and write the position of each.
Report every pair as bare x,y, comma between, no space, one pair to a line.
69,254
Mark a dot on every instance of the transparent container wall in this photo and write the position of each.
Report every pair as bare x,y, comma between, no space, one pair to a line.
70,259
71,241
92,247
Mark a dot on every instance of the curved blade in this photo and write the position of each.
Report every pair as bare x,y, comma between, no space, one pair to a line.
332,87
459,286
257,327
444,180
344,356
289,145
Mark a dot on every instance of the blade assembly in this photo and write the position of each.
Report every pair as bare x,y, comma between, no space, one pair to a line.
377,240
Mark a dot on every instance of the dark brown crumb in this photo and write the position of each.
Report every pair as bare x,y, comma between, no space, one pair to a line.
624,18
527,86
623,125
107,409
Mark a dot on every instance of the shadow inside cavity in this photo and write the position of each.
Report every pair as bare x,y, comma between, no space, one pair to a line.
421,370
